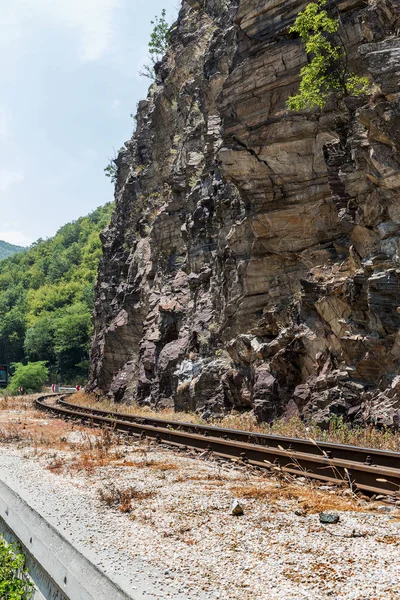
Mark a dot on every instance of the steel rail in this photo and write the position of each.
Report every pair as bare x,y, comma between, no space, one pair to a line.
369,456
362,475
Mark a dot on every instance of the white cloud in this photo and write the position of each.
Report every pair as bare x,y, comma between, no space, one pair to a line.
16,237
9,178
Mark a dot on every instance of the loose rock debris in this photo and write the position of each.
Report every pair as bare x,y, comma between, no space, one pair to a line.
329,518
236,508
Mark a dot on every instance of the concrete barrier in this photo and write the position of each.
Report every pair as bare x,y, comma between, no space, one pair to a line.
58,570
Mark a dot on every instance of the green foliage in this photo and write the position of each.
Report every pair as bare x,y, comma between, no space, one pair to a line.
111,170
30,377
325,75
47,295
14,585
7,249
158,44
72,332
39,340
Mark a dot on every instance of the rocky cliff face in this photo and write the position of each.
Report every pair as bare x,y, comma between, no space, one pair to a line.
253,258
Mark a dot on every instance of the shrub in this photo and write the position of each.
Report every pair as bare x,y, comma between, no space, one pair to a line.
30,377
326,74
158,44
111,170
14,584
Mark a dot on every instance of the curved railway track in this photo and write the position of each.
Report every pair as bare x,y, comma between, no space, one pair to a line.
368,469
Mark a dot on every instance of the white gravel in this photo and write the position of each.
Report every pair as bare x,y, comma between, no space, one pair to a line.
100,534
185,544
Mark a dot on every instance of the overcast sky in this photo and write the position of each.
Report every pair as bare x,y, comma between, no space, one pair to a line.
69,71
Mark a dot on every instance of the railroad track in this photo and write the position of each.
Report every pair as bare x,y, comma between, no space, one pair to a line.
367,469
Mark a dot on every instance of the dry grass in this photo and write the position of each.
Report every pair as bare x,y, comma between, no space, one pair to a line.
389,539
121,498
56,464
207,477
98,448
308,498
163,465
11,433
68,446
154,465
338,431
18,403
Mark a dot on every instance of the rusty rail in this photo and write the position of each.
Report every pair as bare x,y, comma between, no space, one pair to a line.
367,469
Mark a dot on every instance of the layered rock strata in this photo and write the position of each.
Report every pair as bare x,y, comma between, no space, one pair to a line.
253,259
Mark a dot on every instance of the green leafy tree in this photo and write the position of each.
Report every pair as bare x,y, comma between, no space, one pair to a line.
158,44
71,341
12,334
30,377
326,74
39,340
14,584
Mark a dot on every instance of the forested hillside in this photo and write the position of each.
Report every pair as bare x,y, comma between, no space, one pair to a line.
46,298
7,249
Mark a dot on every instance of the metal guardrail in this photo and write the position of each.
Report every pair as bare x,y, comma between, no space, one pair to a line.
57,568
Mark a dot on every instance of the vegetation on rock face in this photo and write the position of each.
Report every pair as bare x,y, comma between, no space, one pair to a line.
46,298
7,249
111,169
157,45
326,74
14,584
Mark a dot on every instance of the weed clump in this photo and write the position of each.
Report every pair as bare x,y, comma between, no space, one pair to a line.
121,498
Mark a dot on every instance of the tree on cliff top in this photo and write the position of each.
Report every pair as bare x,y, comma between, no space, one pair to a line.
326,73
158,44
